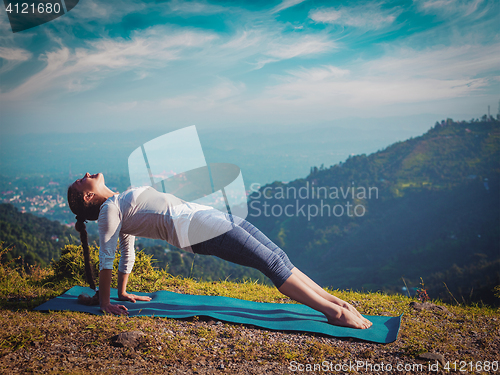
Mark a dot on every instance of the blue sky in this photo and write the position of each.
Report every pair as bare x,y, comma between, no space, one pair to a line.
132,65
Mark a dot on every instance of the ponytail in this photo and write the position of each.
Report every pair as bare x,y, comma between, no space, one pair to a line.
89,274
77,205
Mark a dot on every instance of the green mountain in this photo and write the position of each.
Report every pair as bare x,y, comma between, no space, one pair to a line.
34,240
424,208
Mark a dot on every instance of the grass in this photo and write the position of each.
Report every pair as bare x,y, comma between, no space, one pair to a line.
472,330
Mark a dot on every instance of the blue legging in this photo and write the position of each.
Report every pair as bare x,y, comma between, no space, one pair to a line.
241,243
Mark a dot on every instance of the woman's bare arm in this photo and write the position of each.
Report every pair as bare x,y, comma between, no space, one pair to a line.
104,292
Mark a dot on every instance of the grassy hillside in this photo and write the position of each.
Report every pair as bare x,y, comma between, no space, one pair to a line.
77,343
428,207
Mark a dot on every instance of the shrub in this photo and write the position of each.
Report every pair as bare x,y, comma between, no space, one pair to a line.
70,267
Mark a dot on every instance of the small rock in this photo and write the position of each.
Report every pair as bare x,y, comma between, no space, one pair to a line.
428,306
127,339
433,357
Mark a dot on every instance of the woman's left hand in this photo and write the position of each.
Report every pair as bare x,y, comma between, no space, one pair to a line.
133,298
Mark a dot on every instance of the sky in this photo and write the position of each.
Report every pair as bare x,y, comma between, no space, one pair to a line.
126,65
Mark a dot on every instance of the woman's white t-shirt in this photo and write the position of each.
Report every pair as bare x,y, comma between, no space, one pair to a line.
142,212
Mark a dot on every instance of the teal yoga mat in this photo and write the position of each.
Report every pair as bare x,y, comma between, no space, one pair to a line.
273,316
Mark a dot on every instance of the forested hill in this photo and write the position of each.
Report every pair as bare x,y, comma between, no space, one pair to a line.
424,208
36,240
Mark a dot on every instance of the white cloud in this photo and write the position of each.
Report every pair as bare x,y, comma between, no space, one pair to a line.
13,57
14,54
223,95
244,40
366,17
326,15
141,75
306,46
288,48
322,89
83,68
195,7
441,63
225,90
405,77
427,4
319,74
285,4
104,10
448,7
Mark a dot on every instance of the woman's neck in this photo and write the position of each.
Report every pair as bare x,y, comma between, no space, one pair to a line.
104,194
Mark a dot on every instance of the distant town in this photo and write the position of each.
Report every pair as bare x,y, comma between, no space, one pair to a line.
45,195
47,200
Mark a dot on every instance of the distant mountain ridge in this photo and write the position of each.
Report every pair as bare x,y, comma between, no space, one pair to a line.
436,215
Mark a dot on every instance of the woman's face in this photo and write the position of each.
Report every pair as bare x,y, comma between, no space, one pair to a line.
89,182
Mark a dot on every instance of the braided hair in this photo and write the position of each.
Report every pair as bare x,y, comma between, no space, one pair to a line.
84,211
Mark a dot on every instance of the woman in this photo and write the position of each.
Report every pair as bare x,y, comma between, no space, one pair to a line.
145,212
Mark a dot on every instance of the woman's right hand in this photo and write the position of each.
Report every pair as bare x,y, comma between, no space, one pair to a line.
114,309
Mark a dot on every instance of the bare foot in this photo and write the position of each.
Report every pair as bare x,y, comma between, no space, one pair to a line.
346,318
353,310
346,306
